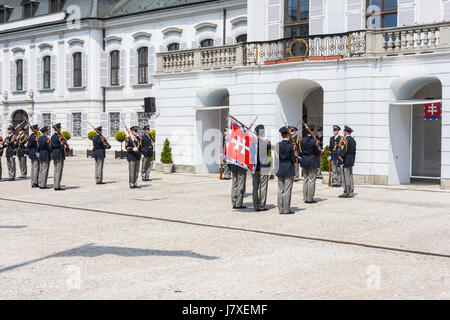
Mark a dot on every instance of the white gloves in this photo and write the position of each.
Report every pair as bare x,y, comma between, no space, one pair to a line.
135,149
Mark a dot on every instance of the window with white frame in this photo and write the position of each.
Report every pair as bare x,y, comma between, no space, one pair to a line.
19,75
77,82
143,120
76,124
114,123
115,67
143,65
47,120
46,61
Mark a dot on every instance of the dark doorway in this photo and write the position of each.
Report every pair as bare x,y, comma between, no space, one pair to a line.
18,118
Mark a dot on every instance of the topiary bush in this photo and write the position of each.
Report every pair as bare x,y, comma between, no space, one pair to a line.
67,135
153,135
120,136
39,133
324,160
166,154
92,134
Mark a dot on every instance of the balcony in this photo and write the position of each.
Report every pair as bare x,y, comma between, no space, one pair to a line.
372,42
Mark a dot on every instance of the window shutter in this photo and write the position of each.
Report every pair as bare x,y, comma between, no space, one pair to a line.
103,68
84,69
406,12
69,122
132,119
39,120
39,73
151,63
12,76
84,130
53,117
69,70
53,72
133,69
122,67
316,17
355,15
104,123
447,11
123,120
25,74
274,19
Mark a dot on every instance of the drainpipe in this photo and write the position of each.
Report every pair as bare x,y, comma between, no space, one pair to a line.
103,88
224,26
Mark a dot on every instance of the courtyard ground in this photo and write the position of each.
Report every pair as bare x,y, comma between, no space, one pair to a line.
178,238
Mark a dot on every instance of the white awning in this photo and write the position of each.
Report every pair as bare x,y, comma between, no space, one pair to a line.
413,102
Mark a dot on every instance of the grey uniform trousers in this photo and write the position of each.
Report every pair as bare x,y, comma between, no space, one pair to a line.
348,181
58,166
146,168
284,194
133,172
297,172
11,162
238,188
43,173
226,170
23,166
99,169
34,175
260,184
309,183
336,174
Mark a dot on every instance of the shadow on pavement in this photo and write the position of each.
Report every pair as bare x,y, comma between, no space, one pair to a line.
12,227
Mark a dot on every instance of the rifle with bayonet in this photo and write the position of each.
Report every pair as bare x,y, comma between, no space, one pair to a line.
67,148
30,127
291,138
132,137
105,142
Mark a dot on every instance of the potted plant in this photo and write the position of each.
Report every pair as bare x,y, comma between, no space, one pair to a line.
166,157
120,136
67,136
90,153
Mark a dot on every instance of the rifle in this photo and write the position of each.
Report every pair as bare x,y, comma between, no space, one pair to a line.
242,124
312,134
329,172
253,122
107,145
65,140
291,138
130,134
29,125
15,128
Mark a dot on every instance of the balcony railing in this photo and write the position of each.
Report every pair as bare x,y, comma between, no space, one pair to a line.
371,42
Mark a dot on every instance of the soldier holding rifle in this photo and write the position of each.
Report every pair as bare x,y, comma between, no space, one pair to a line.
45,155
1,155
11,145
262,172
147,152
22,152
133,147
347,154
32,147
59,146
310,163
296,140
100,145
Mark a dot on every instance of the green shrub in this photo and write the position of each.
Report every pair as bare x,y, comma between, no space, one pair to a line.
92,134
324,160
153,135
66,134
166,154
120,136
39,133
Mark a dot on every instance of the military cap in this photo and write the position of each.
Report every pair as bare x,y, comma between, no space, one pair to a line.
348,129
283,130
11,128
311,126
35,127
44,129
319,128
134,128
294,128
146,127
259,127
336,127
57,126
99,128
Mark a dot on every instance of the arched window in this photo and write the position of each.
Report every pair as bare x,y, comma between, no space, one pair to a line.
55,5
19,75
77,69
115,67
143,65
173,47
207,43
242,38
47,71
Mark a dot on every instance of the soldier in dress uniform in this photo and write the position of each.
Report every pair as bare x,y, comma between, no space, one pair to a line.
22,152
310,163
335,140
100,145
239,178
32,147
262,171
59,147
45,155
11,145
347,155
286,159
133,147
320,138
297,139
226,173
147,153
1,155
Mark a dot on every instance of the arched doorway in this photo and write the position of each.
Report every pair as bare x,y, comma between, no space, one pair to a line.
300,99
415,139
18,117
211,120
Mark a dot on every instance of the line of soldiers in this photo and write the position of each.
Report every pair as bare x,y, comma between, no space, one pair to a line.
41,150
291,153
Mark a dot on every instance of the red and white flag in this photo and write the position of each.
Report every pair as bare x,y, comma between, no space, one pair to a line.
432,111
241,146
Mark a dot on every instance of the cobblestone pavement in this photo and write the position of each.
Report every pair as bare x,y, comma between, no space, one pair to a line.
178,238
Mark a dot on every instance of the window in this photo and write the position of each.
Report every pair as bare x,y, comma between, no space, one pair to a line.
77,69
114,123
242,38
47,120
381,13
5,12
19,75
47,72
55,5
115,68
173,47
296,18
143,65
28,8
207,43
143,120
76,124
